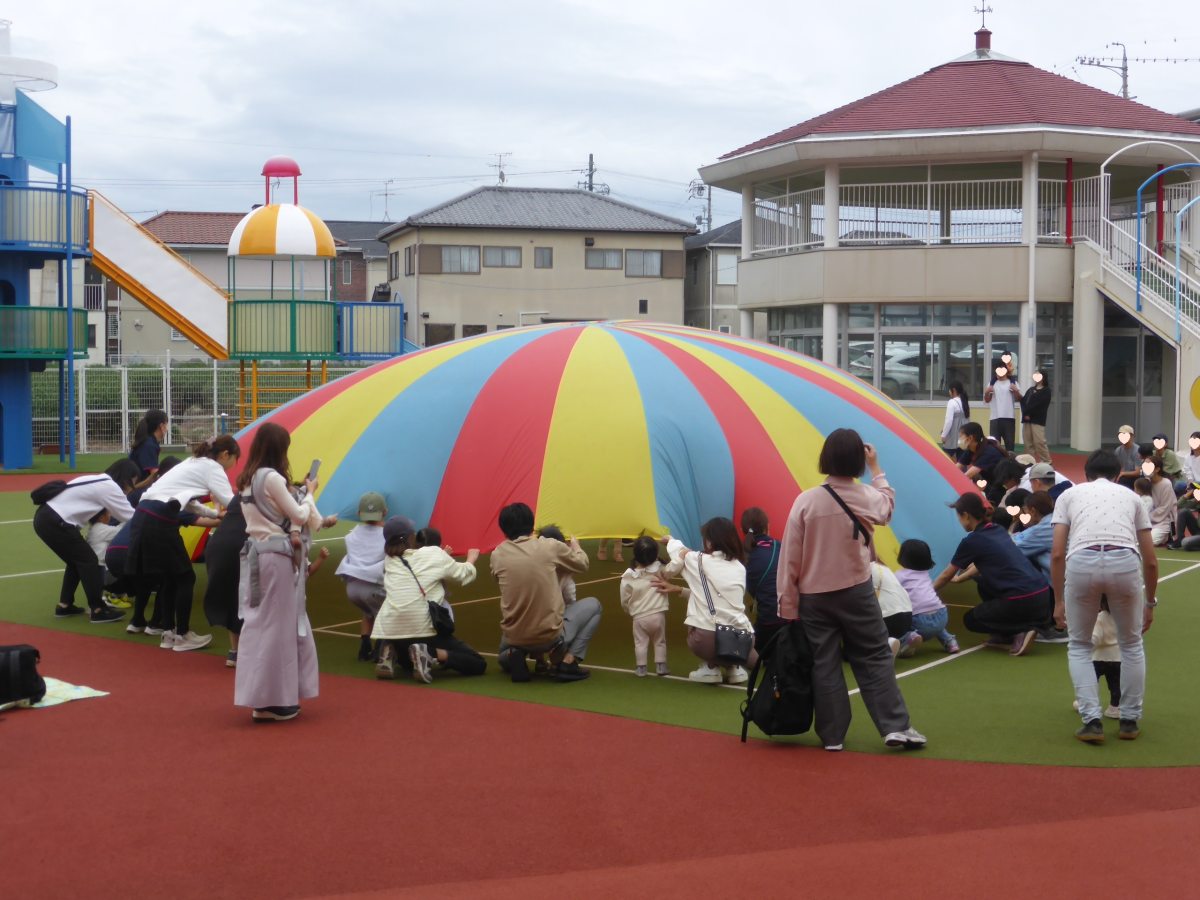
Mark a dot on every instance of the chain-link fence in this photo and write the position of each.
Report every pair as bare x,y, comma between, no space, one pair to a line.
201,399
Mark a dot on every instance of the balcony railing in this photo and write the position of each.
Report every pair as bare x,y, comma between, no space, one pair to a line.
40,332
370,330
93,297
919,213
282,329
34,216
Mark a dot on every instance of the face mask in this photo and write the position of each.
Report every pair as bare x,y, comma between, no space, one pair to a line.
962,443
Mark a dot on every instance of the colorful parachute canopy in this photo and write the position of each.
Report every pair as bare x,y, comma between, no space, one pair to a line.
609,429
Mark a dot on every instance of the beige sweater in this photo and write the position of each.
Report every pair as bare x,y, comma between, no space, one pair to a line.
639,597
531,599
405,611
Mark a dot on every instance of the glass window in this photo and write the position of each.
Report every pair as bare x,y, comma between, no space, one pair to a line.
1010,344
602,259
958,359
861,357
809,345
861,315
1120,366
643,263
907,314
502,257
906,367
347,272
727,264
1006,315
471,330
959,314
459,259
543,257
1152,366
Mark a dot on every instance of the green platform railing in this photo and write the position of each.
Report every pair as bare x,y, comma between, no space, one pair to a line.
40,332
282,329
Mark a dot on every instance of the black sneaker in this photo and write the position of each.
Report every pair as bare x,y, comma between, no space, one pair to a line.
1128,730
275,713
65,612
571,671
365,653
514,664
106,614
1092,732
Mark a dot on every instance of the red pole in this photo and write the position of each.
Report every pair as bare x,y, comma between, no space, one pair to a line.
1158,215
295,191
1070,201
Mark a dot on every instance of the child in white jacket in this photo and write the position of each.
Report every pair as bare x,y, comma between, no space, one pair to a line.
647,606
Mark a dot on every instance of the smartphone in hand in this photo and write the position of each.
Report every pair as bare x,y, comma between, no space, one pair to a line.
313,470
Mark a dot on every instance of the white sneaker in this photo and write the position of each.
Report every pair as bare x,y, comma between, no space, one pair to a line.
909,738
168,640
191,641
706,674
418,655
1112,712
894,644
735,675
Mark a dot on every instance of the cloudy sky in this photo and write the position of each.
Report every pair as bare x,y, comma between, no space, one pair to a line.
393,107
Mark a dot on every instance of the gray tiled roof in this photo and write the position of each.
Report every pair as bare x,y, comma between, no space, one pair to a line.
727,235
559,209
357,233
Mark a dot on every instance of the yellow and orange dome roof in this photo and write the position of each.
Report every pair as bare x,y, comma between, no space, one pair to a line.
282,229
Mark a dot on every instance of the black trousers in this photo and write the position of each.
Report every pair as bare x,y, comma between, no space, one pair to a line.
898,624
1111,673
68,545
1004,430
460,656
1010,617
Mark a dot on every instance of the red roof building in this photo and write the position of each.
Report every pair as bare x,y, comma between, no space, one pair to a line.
985,208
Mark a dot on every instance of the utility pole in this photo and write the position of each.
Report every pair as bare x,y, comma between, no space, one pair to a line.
698,190
498,165
1120,64
590,184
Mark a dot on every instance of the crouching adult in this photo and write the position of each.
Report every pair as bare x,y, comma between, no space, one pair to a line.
413,578
533,617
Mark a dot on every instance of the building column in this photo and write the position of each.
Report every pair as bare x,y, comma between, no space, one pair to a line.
746,323
832,199
1027,342
829,334
748,220
1087,373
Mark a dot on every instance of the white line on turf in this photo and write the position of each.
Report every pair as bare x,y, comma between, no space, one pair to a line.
17,522
1190,568
28,574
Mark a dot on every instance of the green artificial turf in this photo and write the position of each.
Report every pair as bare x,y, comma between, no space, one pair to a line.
982,705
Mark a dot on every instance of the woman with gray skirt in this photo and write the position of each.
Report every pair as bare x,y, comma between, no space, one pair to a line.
277,657
825,581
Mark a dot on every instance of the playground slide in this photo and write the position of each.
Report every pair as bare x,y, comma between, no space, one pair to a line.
158,278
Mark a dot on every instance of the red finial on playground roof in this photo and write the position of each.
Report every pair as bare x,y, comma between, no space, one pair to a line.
282,167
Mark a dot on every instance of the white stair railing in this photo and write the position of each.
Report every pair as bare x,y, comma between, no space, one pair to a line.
1158,277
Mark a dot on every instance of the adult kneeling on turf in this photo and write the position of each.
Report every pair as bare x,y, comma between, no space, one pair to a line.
533,618
1100,531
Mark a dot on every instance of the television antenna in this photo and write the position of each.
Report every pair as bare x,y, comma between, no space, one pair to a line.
498,165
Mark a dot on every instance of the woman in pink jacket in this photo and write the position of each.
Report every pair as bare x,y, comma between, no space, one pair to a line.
825,581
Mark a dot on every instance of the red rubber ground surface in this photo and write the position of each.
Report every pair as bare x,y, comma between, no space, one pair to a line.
165,789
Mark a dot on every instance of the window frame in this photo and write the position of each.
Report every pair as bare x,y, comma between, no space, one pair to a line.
539,254
590,253
449,251
641,257
504,253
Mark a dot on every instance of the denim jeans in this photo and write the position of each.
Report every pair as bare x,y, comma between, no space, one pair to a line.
1118,575
934,625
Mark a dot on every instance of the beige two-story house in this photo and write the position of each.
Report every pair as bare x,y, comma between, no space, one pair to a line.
499,257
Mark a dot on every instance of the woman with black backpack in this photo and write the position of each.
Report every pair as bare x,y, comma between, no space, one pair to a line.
58,521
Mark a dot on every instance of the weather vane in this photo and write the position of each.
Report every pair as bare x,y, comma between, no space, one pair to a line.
983,11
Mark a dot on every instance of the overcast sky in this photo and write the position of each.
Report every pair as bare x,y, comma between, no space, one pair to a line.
175,106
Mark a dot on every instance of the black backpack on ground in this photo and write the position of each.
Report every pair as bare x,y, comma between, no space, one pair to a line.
19,678
783,703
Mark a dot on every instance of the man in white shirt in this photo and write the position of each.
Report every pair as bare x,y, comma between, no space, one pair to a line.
1000,397
1101,540
57,523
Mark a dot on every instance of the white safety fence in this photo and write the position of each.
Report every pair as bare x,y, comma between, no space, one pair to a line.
201,399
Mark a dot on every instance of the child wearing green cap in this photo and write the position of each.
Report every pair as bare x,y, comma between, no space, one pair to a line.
361,569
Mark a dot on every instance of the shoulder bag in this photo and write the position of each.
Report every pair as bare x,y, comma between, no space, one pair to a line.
443,621
733,645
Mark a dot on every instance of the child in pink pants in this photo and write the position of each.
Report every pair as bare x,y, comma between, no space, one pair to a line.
641,599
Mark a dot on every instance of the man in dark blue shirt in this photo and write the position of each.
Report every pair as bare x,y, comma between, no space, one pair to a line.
1016,596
